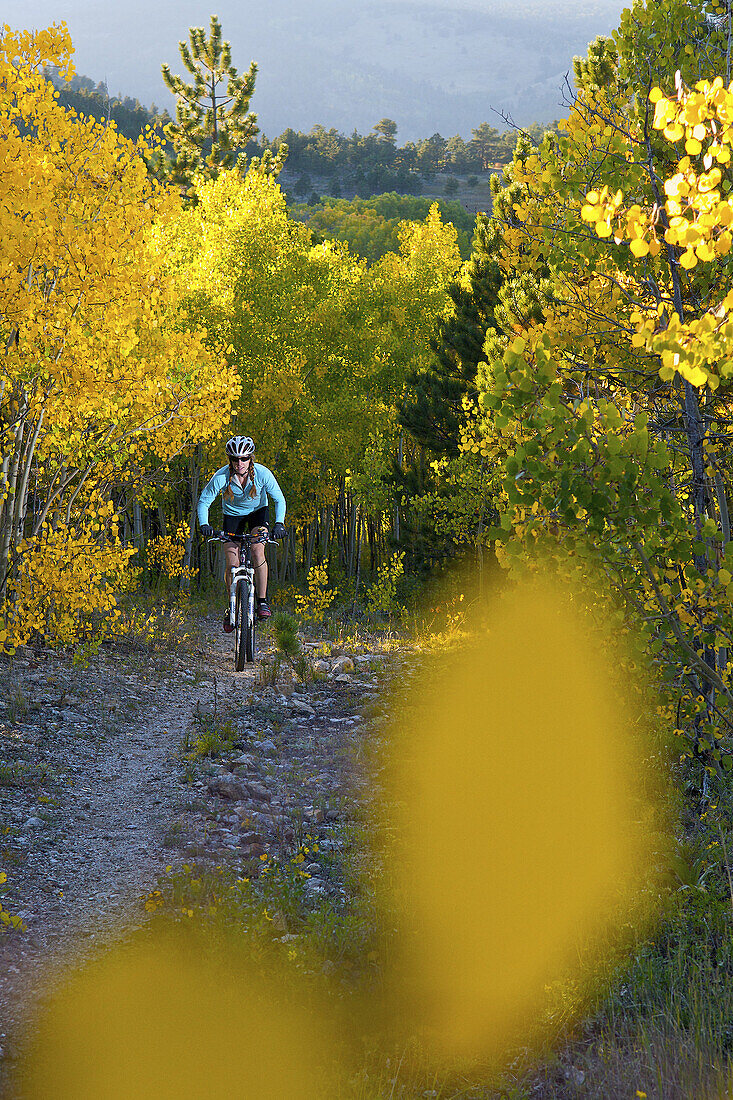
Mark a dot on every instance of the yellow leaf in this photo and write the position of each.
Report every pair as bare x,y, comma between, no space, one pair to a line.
639,247
674,131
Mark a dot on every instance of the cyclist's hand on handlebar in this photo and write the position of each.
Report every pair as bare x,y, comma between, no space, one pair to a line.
278,531
207,531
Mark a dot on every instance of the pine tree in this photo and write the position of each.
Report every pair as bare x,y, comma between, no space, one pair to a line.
485,144
432,407
212,125
387,130
485,301
600,68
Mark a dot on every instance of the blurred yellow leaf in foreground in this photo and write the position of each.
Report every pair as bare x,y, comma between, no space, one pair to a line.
522,835
153,1020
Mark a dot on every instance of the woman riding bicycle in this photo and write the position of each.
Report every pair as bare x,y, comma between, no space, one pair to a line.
245,487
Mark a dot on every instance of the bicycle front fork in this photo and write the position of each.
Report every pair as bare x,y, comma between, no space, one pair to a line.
246,573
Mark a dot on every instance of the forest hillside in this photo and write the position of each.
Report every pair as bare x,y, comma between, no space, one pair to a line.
431,66
366,587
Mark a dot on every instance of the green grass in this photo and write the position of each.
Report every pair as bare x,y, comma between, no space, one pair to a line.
22,773
214,737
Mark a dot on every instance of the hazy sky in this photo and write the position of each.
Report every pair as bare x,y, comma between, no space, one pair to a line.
124,42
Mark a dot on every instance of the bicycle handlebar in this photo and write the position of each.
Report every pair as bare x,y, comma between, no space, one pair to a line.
227,536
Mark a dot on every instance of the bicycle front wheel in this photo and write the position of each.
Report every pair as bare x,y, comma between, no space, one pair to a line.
251,632
241,616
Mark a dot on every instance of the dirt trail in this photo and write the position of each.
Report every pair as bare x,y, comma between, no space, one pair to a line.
95,800
79,857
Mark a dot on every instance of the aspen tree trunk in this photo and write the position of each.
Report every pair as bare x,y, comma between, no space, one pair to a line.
352,537
4,475
273,563
126,529
371,538
9,533
695,427
340,514
291,557
137,525
138,537
326,537
194,478
725,528
312,530
294,558
693,421
396,506
21,499
358,559
15,474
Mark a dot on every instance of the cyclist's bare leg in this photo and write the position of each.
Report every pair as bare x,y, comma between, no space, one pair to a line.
231,556
259,563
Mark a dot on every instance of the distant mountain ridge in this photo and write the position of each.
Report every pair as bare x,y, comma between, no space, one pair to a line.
432,65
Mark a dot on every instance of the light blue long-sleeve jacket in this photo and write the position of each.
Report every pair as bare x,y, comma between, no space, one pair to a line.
236,501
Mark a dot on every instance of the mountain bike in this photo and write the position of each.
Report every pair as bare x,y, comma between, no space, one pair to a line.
242,608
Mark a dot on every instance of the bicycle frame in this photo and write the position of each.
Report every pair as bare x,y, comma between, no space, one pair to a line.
243,650
243,571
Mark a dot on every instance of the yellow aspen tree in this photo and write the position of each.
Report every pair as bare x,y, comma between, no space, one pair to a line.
607,408
97,373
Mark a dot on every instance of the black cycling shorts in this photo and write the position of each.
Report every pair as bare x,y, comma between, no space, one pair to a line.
242,525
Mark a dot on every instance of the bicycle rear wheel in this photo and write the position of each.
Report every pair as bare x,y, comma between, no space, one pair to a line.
240,626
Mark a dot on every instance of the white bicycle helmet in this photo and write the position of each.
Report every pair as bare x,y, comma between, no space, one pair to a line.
240,446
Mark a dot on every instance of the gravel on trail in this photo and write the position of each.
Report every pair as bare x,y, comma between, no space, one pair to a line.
98,794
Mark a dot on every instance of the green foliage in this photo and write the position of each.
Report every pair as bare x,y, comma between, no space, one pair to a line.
432,407
371,226
268,670
321,342
303,184
80,94
149,625
604,464
21,773
285,632
287,639
213,738
387,129
449,503
381,597
486,145
458,507
599,68
377,162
